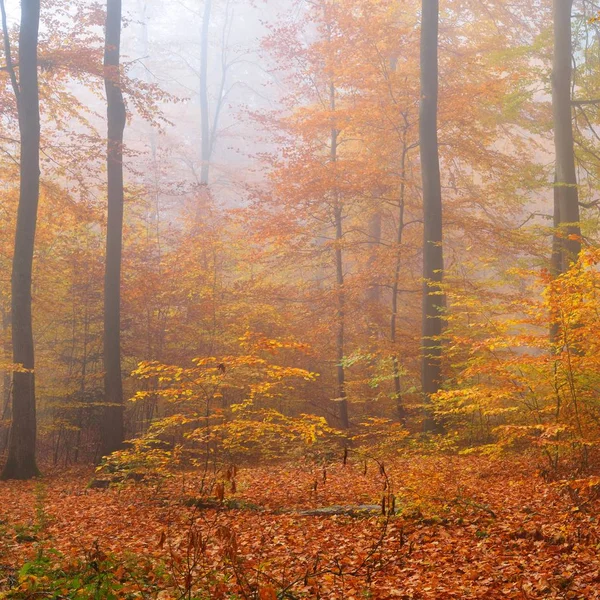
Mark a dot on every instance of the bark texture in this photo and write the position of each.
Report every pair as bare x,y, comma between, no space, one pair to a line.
112,423
21,463
567,197
433,261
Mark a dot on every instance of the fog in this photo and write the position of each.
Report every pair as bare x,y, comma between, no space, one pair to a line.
315,214
163,42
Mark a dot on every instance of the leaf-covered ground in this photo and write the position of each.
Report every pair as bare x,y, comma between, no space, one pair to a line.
465,527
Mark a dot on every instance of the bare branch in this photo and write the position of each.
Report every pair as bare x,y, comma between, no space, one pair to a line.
595,101
8,55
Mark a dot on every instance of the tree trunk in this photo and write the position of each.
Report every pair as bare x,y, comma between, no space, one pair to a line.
7,357
374,233
556,258
112,422
339,274
566,178
340,314
21,462
433,262
204,107
373,300
400,410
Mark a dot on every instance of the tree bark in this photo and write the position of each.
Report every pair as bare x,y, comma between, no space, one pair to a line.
556,258
433,262
373,294
339,271
566,178
112,433
7,355
340,314
21,463
400,410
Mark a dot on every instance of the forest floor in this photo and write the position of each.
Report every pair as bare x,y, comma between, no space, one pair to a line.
464,527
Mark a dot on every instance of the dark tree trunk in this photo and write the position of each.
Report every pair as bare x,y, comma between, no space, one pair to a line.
566,178
21,462
433,261
112,421
204,106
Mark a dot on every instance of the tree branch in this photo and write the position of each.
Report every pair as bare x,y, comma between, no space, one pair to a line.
585,102
592,204
9,63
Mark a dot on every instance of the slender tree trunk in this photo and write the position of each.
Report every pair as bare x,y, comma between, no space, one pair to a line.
400,411
556,258
7,356
340,314
373,299
433,261
566,177
21,462
339,274
374,233
112,423
204,106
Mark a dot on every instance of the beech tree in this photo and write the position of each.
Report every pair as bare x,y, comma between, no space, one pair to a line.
433,258
206,149
338,219
227,56
112,423
323,243
21,463
567,243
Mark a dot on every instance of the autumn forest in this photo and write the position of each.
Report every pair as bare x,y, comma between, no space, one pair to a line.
299,299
